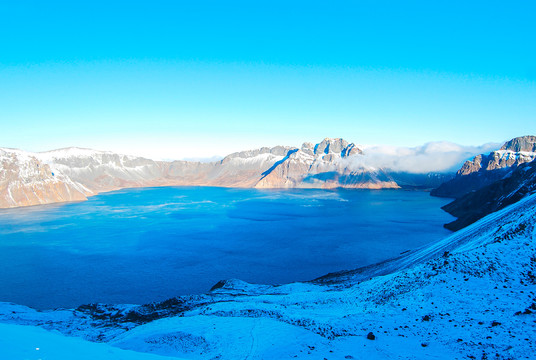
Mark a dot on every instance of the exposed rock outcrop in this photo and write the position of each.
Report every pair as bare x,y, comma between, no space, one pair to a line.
104,170
483,169
521,144
324,165
488,183
25,181
475,205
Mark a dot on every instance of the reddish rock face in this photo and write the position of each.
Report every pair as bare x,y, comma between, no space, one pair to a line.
513,153
495,160
26,181
471,166
483,169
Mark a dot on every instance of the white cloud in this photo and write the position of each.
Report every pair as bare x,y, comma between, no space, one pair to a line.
430,157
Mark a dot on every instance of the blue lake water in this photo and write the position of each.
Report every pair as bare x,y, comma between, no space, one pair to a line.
144,245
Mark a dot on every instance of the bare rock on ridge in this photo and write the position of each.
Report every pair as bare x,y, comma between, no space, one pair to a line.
324,165
26,181
104,170
521,144
496,196
483,169
336,146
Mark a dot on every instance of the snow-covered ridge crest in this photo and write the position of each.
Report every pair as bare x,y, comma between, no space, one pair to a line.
513,153
72,151
104,170
495,160
486,168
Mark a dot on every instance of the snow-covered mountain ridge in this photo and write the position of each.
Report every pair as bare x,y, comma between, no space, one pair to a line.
485,169
72,174
520,182
488,183
470,295
26,180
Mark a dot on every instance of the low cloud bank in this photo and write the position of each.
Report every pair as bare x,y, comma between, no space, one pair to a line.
431,157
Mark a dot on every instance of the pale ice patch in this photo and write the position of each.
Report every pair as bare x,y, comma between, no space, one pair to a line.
35,228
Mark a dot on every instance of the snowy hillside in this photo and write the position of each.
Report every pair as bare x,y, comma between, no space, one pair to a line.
470,295
103,170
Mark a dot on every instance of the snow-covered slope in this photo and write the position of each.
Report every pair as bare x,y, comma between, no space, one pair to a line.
104,170
470,295
245,168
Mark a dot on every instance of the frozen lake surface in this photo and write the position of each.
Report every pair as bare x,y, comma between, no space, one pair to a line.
143,245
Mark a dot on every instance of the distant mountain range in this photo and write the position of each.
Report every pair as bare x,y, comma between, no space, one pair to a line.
73,174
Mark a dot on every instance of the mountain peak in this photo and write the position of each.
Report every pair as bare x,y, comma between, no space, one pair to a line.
523,143
336,146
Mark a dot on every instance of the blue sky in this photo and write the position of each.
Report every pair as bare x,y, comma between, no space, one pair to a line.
187,79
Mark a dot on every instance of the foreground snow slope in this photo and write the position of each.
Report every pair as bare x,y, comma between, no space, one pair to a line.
470,295
32,343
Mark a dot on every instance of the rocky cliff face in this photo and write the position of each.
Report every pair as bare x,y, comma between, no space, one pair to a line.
241,169
521,144
324,165
103,170
488,183
25,181
496,196
483,169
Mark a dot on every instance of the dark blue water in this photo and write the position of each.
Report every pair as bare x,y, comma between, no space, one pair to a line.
143,245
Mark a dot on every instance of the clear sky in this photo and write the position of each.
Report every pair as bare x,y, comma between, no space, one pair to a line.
173,79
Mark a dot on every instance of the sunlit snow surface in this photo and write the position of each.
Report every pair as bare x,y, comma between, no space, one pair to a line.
142,245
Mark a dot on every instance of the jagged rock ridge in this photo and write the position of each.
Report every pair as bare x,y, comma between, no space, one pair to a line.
25,181
491,182
325,165
499,194
483,169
